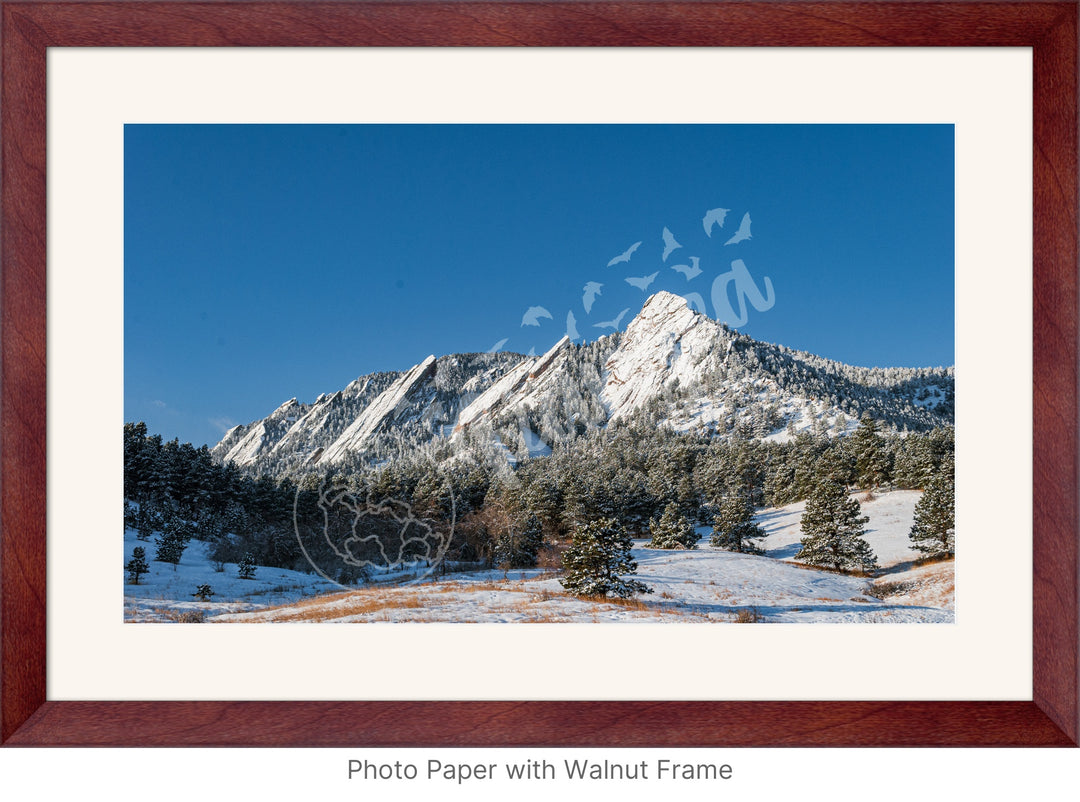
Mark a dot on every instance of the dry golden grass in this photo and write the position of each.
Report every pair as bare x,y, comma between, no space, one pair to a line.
329,598
930,582
533,611
883,590
936,558
163,614
316,613
383,604
504,599
633,603
500,585
748,615
366,602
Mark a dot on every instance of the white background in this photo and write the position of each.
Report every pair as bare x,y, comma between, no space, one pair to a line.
91,93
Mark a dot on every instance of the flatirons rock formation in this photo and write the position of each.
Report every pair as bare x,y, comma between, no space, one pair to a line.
672,366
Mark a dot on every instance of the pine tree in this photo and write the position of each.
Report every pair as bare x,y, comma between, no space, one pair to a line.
575,505
914,462
134,457
144,523
137,565
734,528
779,486
836,464
170,547
131,515
672,531
872,460
245,569
532,540
519,549
833,530
599,553
934,530
541,494
203,592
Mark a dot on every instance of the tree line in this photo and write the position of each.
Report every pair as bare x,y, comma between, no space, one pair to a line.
649,481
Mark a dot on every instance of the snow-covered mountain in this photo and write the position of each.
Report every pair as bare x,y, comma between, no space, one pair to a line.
672,366
294,432
667,342
370,418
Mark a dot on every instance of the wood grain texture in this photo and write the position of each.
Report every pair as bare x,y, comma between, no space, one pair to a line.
1055,411
480,724
22,378
539,24
1050,29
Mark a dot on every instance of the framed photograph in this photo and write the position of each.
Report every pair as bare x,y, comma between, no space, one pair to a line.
190,162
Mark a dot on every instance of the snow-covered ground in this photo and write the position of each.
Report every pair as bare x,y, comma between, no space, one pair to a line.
928,585
891,515
706,584
166,594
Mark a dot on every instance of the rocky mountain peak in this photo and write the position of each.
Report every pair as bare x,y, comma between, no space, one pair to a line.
671,366
666,341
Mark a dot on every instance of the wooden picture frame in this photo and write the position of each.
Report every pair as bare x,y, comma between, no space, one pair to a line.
28,718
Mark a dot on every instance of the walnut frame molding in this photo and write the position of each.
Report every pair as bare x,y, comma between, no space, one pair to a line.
27,718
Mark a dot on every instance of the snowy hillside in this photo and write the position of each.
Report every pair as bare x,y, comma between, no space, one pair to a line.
167,593
890,516
705,585
672,366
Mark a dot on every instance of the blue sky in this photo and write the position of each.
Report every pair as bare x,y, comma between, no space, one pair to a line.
264,262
